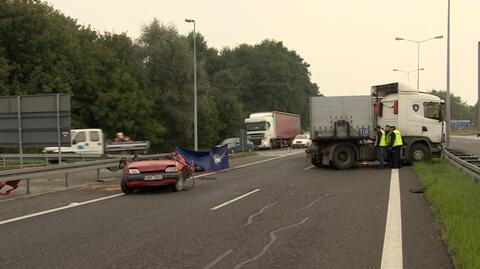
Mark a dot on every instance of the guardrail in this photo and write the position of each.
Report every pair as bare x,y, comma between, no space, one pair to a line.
467,162
47,157
28,173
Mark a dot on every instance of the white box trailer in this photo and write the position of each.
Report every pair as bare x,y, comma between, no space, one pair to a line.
342,116
342,128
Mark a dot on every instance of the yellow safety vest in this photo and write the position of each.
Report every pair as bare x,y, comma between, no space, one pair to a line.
398,139
383,141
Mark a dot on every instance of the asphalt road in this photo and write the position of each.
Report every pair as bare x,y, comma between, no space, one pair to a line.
275,214
467,144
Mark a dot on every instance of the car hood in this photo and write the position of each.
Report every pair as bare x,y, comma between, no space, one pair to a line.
151,166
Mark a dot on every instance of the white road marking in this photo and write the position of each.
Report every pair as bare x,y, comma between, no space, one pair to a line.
218,259
59,209
234,199
308,168
250,219
392,255
273,238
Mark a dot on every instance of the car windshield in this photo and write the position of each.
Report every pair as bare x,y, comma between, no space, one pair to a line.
255,126
229,141
301,137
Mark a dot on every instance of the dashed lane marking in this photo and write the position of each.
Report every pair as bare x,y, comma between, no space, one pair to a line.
234,199
72,205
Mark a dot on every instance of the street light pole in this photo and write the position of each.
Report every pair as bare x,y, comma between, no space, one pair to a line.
418,53
408,73
418,66
447,99
195,121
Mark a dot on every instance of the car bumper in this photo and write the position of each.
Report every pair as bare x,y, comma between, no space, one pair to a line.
299,145
139,180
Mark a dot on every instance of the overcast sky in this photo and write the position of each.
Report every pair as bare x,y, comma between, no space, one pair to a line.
348,43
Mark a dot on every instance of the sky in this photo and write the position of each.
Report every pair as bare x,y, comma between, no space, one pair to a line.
349,44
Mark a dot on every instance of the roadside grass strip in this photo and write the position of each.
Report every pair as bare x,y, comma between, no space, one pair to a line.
455,199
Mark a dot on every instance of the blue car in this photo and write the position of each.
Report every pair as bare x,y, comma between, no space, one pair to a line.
234,145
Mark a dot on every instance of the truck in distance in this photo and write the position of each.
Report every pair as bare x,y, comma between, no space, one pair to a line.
342,127
91,141
274,129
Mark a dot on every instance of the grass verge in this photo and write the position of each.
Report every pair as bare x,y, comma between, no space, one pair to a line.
455,198
242,155
468,131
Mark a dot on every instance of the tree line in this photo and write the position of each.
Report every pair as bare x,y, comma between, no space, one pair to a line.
144,87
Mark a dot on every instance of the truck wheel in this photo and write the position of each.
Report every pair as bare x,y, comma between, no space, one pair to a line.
419,152
343,157
125,188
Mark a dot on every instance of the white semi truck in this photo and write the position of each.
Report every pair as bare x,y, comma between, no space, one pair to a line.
273,129
342,128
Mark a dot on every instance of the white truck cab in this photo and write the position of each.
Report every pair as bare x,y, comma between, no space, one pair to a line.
260,129
89,141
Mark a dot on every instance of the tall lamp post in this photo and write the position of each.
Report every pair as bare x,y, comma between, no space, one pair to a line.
195,129
407,72
418,53
447,97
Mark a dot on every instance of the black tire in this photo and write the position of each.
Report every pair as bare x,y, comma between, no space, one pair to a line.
125,188
180,184
232,151
343,157
317,162
418,153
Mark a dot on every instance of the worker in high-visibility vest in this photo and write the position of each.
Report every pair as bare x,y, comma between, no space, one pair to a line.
380,145
395,144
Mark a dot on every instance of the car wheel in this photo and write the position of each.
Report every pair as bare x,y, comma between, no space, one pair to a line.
419,152
180,183
343,157
125,188
232,151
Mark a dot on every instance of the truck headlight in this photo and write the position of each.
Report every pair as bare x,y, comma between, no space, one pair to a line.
133,171
171,169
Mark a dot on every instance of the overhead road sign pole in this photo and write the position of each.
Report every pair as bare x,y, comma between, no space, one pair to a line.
19,120
59,138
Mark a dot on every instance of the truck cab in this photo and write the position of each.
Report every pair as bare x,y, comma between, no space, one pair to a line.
418,116
260,129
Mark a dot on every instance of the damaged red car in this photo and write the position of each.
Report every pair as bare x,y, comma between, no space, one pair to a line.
155,170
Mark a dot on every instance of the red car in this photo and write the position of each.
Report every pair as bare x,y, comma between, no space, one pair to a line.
155,170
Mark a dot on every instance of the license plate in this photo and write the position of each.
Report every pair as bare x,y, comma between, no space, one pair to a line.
154,177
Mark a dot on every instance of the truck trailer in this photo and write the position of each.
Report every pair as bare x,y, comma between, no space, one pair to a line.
274,129
342,128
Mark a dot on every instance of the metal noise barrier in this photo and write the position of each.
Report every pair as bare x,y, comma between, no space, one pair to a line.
467,167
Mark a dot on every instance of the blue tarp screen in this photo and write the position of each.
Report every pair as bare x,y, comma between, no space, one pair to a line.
214,160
